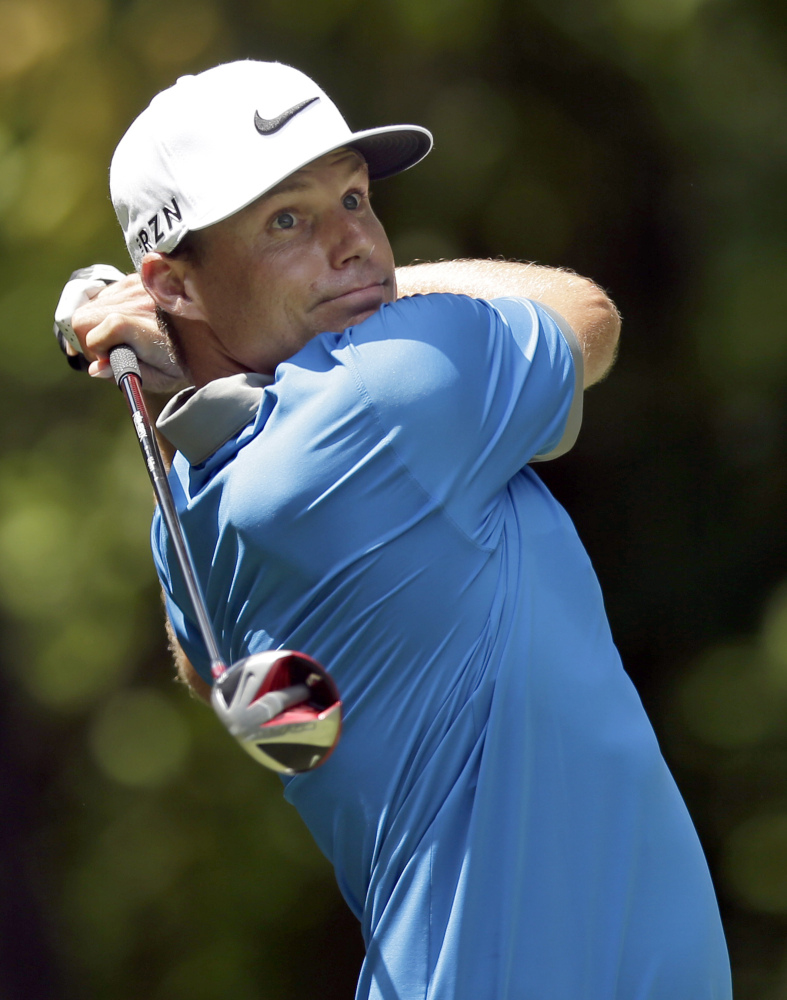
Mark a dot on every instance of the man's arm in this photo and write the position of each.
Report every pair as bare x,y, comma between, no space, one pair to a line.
586,308
124,313
183,666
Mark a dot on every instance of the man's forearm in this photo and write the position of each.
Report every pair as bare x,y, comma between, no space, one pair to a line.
185,671
586,307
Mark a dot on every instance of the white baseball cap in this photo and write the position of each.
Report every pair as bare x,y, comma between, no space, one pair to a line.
213,143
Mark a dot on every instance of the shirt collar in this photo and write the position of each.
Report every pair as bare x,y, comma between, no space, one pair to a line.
199,421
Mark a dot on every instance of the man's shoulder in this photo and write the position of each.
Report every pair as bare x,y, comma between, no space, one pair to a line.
450,304
436,313
454,324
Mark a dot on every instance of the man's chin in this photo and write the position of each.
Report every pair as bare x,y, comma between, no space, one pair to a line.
361,316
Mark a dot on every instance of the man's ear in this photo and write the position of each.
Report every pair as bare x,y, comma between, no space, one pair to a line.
169,283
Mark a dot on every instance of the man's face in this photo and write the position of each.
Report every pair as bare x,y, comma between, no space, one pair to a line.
308,257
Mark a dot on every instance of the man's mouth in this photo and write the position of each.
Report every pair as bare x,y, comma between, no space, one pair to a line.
360,299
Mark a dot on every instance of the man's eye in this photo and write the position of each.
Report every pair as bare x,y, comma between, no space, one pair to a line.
351,202
285,220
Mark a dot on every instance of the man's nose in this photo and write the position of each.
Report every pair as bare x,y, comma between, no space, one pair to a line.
351,238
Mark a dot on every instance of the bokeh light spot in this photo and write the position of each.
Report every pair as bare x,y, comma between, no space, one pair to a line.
86,657
755,862
34,564
658,15
57,179
725,697
29,31
139,739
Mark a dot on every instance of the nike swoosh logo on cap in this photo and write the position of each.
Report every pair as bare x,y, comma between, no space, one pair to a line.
267,126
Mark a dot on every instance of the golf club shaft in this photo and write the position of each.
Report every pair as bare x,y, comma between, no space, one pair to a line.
126,370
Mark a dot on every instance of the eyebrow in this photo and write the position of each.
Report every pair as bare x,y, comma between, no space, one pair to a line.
293,184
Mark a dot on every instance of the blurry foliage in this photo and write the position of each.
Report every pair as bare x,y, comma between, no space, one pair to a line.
643,142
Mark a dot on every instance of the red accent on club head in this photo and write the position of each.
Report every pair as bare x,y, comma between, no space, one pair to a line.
296,668
278,677
298,713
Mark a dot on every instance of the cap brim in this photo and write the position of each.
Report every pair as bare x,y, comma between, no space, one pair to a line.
390,150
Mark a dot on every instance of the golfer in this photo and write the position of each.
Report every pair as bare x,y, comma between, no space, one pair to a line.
354,475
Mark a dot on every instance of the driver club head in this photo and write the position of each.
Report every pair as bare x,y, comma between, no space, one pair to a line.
282,707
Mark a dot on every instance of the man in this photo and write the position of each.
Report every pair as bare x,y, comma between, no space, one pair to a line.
353,477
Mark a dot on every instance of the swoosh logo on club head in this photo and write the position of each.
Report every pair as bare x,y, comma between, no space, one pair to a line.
267,126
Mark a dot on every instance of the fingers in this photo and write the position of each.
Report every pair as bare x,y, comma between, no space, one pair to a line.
108,329
128,301
160,372
100,368
124,313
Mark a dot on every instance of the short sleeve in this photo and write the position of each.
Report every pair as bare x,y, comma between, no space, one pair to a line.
471,391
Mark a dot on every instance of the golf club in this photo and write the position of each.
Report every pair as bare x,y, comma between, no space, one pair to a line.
281,706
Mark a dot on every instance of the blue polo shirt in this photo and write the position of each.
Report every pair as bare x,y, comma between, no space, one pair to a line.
498,812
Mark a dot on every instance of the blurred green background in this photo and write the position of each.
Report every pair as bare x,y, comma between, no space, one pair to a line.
641,142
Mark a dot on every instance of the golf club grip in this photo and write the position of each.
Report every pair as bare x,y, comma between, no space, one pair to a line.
124,362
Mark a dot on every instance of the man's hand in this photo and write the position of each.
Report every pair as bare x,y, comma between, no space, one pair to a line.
124,313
